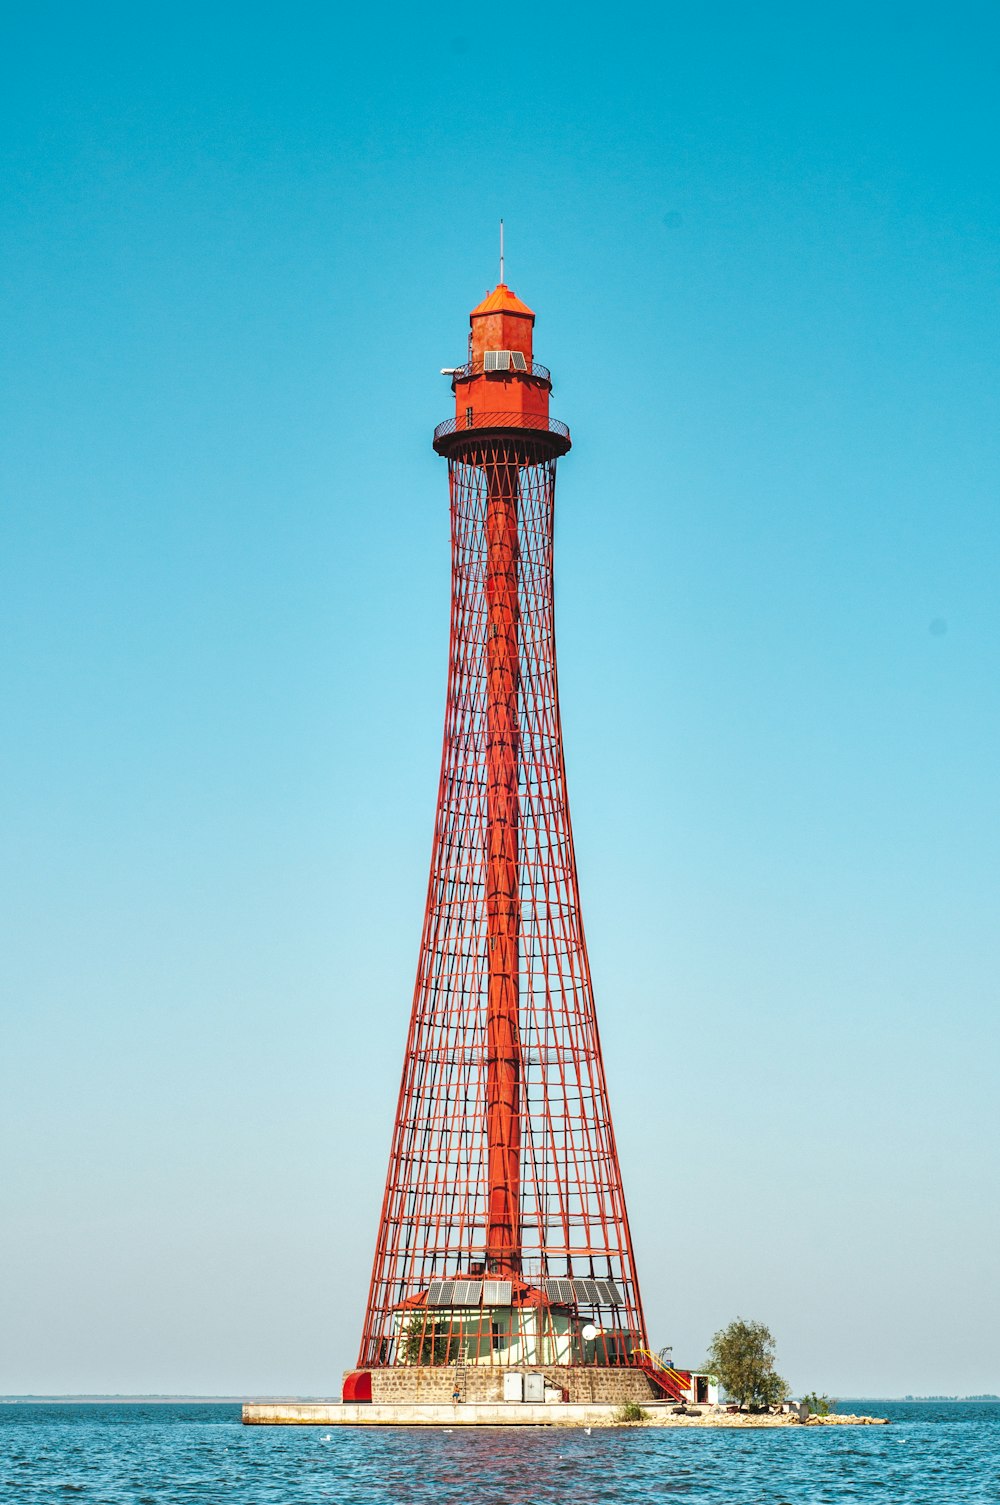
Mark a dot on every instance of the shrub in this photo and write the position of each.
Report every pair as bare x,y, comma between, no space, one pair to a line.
630,1411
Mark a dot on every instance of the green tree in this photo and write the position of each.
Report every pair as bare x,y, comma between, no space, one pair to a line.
819,1405
425,1341
742,1355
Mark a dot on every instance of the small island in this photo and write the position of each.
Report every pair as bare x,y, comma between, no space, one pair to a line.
741,1360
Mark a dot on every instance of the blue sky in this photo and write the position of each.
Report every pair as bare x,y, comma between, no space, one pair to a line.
238,243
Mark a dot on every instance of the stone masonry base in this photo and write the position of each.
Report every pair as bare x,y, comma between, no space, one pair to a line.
432,1385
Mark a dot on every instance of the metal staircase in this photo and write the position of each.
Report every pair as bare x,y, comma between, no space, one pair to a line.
671,1383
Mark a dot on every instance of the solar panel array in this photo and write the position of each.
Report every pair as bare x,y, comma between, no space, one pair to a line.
468,1293
589,1292
497,1292
586,1291
560,1291
455,1293
504,360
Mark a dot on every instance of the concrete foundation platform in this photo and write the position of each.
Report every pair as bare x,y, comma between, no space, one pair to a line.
499,1414
483,1414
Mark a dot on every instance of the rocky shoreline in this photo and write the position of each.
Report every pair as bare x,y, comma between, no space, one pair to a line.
719,1416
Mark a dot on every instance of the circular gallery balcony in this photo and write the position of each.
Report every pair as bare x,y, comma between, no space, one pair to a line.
453,434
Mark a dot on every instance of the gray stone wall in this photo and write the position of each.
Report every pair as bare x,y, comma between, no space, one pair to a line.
435,1385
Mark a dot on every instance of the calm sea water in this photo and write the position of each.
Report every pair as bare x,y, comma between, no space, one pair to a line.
166,1455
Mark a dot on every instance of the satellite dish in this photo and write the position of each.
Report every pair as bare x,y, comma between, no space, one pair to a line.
589,1332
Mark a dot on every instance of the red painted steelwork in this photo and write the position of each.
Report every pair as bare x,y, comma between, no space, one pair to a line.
503,1163
503,900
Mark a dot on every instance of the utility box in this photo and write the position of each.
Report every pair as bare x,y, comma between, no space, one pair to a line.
513,1387
534,1388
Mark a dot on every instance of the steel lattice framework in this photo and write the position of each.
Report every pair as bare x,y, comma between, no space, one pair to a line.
503,1173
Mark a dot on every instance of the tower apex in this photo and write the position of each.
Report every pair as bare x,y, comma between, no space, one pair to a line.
502,300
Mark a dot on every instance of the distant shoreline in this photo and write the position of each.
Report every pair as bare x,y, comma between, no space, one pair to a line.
152,1400
244,1399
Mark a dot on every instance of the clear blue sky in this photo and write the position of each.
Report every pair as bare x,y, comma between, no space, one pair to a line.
237,244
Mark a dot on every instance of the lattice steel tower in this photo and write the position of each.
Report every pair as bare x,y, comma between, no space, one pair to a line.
503,1239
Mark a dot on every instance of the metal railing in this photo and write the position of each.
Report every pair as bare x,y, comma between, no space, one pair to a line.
501,421
476,368
669,1380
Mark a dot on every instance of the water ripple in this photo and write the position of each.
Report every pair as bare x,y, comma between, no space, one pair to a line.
192,1455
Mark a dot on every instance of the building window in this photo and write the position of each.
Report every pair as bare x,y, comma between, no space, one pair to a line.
468,418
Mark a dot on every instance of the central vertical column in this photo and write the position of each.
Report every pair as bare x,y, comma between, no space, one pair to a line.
503,1035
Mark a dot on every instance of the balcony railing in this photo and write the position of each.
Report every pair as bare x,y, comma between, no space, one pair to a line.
501,421
475,368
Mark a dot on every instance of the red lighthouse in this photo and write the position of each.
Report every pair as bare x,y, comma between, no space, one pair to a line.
503,1246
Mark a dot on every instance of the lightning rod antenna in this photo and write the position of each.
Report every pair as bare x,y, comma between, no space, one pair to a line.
501,251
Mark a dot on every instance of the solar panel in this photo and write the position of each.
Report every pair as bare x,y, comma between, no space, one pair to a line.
520,364
608,1292
586,1290
496,360
440,1293
497,1292
560,1291
467,1293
